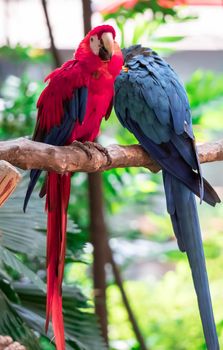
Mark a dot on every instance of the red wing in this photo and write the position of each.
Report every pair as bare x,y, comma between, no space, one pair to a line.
52,103
60,105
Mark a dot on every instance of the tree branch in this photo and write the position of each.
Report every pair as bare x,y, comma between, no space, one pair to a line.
9,178
27,154
54,51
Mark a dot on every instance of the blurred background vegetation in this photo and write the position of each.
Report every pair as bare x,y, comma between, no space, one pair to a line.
156,275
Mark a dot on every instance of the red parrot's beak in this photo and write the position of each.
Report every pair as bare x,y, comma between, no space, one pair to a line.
107,47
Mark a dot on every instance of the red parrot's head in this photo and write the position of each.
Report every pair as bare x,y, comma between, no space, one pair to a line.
100,41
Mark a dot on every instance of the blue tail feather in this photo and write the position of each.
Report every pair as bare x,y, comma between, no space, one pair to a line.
34,175
187,230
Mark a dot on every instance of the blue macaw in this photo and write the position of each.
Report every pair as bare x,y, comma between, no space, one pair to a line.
151,102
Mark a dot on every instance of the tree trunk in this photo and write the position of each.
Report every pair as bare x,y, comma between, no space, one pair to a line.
98,235
98,230
86,4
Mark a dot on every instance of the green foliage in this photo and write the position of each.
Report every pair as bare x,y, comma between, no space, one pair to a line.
166,308
18,110
144,17
140,7
20,54
11,324
81,329
18,95
23,291
205,92
164,311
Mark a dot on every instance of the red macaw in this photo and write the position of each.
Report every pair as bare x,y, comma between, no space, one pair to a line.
71,107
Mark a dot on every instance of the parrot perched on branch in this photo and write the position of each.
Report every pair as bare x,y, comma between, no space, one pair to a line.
70,109
151,103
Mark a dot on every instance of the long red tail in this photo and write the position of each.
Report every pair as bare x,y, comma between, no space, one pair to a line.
58,193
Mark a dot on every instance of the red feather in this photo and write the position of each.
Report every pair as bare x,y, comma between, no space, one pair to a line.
86,69
58,193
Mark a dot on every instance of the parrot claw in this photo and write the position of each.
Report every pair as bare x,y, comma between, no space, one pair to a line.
84,148
101,149
6,343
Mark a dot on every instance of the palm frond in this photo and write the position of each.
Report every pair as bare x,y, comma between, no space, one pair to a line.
25,233
80,322
9,259
11,324
22,238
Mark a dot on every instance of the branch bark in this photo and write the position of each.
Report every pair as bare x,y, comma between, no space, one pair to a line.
27,154
9,178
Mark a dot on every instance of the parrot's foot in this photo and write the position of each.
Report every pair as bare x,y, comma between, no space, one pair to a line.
6,343
84,148
100,148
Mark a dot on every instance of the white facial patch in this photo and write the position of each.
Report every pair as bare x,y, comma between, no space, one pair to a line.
95,44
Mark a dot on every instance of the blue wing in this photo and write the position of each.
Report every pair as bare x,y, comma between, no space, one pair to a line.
151,102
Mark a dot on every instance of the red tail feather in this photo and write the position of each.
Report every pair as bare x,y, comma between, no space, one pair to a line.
58,193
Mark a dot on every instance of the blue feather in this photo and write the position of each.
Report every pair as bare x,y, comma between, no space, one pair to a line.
82,97
34,175
151,103
187,230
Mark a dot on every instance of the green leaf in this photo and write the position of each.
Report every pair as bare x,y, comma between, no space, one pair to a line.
80,322
139,30
25,233
22,232
12,261
11,324
167,39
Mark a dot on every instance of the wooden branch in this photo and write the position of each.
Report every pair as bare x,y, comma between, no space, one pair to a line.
9,178
27,154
